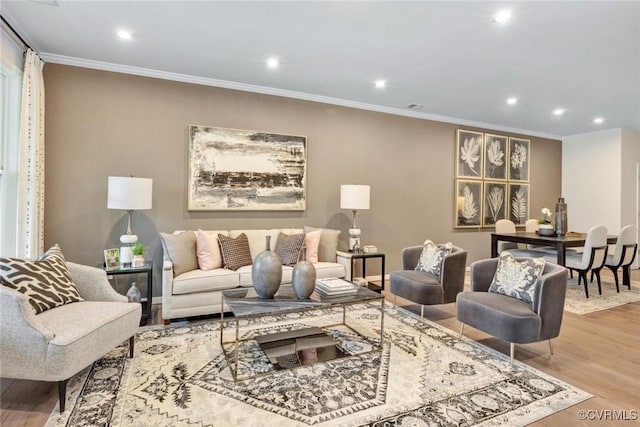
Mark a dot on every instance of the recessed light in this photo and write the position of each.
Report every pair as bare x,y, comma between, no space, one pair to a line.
273,62
559,111
380,83
414,106
598,120
512,101
502,16
124,34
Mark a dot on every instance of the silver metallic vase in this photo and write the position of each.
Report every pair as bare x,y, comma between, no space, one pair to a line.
304,277
134,294
266,272
561,217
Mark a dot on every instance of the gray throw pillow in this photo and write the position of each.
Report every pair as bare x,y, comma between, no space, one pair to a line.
431,258
328,243
235,252
288,248
517,278
46,282
181,250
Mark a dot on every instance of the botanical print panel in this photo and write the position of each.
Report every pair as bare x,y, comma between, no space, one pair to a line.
232,169
468,204
469,154
495,156
519,203
519,159
495,202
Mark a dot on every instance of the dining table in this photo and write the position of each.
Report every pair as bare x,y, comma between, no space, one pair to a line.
559,242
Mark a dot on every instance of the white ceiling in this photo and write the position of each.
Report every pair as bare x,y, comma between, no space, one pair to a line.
449,57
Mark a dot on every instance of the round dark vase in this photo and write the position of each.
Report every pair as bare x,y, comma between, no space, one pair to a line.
266,272
304,277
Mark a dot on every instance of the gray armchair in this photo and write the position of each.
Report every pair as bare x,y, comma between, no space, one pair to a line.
58,343
509,318
425,288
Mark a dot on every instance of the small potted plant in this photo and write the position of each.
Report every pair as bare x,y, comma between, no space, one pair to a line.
138,251
545,228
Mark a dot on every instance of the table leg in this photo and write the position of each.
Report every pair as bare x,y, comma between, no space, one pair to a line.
149,294
561,256
237,344
494,246
353,261
381,290
222,323
364,271
382,324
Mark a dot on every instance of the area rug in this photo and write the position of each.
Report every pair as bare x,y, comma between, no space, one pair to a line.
577,303
424,375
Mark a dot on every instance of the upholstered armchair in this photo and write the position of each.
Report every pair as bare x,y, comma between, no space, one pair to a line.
425,288
509,318
58,343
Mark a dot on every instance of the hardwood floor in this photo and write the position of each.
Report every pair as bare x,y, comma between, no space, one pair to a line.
597,352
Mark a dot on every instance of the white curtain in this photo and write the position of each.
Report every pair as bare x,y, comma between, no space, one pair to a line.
30,236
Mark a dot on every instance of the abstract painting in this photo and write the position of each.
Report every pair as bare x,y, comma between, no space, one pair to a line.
244,170
468,204
495,157
495,203
518,203
469,154
519,159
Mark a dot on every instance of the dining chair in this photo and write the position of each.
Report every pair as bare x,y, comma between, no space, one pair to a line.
593,257
624,255
505,226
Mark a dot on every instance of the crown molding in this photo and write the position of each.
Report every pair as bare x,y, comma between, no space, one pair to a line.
204,81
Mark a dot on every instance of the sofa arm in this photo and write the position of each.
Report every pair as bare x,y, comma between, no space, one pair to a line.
19,319
452,274
482,273
410,257
92,283
167,278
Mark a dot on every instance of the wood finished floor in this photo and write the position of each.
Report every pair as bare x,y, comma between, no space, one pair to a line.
597,352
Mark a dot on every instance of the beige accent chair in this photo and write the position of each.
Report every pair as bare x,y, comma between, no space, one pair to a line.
60,342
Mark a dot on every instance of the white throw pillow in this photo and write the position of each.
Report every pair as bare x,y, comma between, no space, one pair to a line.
517,278
430,260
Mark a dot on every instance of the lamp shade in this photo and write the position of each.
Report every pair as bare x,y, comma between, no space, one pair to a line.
129,193
354,197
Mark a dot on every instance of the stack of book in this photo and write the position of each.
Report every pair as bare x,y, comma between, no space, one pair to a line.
335,287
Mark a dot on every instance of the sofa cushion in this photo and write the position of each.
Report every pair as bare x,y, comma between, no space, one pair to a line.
205,281
46,282
288,247
181,250
235,252
257,239
328,269
208,250
430,260
517,278
312,244
328,243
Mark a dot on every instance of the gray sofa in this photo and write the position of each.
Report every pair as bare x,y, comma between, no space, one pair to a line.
509,318
199,292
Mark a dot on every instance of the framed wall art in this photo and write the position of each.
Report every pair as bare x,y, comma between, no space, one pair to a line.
494,202
519,159
518,203
495,156
469,154
468,204
243,170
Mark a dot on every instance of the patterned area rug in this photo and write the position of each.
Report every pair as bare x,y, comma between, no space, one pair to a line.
424,375
577,303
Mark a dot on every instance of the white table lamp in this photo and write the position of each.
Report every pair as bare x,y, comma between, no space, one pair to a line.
354,197
129,194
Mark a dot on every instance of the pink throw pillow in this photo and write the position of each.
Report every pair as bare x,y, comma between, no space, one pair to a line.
312,243
208,251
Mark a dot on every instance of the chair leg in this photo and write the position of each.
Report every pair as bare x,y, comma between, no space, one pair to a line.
614,271
571,273
512,350
167,322
131,345
599,283
583,275
461,329
394,300
421,311
62,394
550,348
626,276
592,272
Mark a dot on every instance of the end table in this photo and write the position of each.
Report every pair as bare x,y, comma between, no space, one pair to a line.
146,297
348,260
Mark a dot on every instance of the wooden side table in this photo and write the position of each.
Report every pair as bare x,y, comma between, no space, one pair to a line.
348,259
146,297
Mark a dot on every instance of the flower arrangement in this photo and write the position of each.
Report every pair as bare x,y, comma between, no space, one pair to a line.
546,216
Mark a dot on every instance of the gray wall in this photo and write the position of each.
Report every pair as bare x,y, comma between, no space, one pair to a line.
100,123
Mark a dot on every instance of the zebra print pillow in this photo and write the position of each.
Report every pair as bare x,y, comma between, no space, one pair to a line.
46,282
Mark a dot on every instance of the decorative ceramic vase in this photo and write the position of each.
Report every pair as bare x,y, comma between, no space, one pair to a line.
561,217
266,272
304,277
546,230
133,294
137,261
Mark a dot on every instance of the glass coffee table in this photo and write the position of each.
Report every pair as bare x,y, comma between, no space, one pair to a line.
295,347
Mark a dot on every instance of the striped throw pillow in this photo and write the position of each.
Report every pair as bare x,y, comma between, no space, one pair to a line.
46,282
235,252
